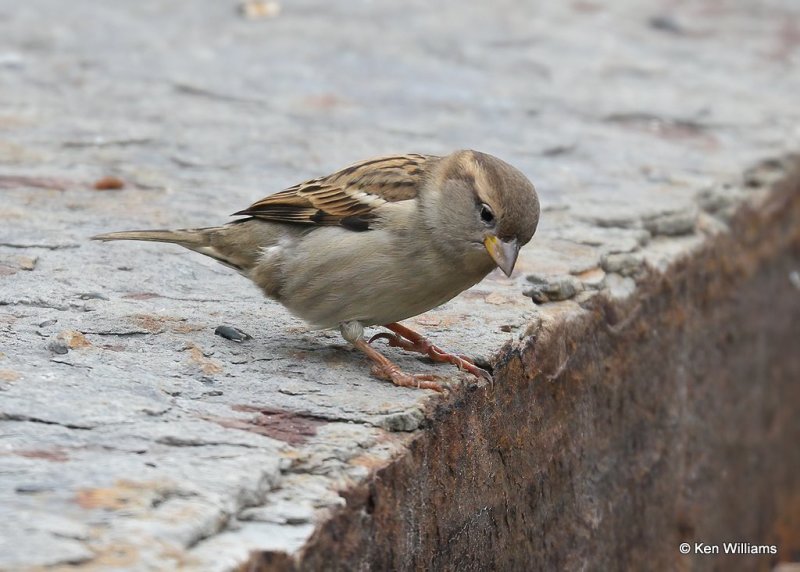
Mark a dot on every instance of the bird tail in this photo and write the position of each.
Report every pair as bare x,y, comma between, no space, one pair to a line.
184,237
212,241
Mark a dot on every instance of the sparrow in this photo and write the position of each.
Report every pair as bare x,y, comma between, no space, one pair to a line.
375,243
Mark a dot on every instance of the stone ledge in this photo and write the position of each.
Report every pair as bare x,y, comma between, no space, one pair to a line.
617,429
132,436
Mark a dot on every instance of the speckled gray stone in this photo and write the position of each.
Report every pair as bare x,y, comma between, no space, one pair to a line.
174,447
624,263
552,288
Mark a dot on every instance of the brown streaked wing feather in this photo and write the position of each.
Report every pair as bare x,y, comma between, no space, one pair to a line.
347,197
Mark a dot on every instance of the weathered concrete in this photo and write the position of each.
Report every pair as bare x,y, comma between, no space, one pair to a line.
650,398
615,432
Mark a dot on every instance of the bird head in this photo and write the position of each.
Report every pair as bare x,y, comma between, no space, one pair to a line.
487,203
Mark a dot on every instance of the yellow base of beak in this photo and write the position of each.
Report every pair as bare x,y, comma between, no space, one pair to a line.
503,252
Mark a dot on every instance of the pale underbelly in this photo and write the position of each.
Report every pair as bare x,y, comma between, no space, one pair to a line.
335,276
375,303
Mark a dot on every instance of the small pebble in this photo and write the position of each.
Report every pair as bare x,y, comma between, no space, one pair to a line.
58,346
665,24
231,333
32,489
27,262
109,184
67,340
259,9
623,263
92,296
552,289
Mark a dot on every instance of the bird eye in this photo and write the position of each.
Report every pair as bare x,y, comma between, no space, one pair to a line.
487,215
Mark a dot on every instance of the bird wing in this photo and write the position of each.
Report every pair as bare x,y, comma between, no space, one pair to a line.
348,197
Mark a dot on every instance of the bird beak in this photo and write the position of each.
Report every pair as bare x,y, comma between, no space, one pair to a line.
503,252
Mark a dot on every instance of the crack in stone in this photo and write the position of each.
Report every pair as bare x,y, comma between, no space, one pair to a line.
198,91
70,364
103,142
179,442
35,304
30,419
129,333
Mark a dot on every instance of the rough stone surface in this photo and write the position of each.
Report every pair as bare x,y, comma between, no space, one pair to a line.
655,403
552,288
621,429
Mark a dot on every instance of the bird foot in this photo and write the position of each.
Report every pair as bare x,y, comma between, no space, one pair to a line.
383,368
411,341
391,372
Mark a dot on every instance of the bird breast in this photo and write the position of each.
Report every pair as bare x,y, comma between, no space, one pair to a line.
333,275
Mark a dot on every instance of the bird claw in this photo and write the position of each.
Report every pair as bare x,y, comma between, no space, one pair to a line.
462,362
467,359
418,380
437,354
393,339
481,373
465,364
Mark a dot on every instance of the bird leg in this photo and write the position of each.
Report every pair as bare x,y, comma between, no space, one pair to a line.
383,368
410,340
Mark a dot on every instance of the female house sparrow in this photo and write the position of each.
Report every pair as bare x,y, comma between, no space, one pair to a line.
375,243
